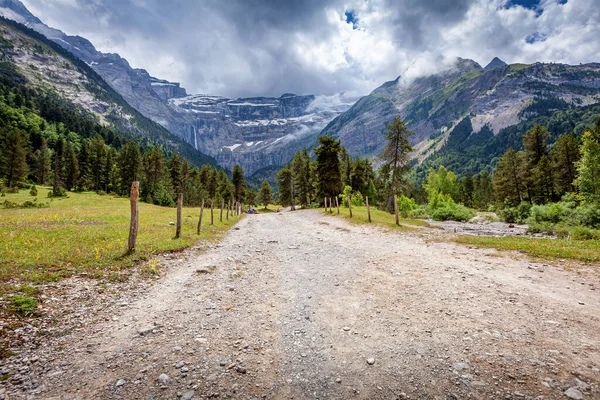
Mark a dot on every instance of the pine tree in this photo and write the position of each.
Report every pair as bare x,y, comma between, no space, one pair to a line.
265,195
154,170
535,145
71,168
225,188
302,176
13,159
509,180
345,167
174,166
43,164
98,162
111,177
396,157
360,176
588,167
544,181
483,191
536,148
565,155
57,184
130,162
285,183
237,178
85,166
251,196
329,179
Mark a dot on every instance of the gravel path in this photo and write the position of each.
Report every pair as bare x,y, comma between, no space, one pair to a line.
301,305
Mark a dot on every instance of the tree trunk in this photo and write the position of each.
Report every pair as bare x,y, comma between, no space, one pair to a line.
337,204
396,210
368,208
325,202
133,225
228,208
222,206
179,206
200,219
212,208
350,206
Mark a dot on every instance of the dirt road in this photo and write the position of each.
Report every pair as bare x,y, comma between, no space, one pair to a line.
302,305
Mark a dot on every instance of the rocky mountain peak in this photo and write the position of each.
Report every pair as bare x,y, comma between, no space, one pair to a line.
15,10
465,64
495,63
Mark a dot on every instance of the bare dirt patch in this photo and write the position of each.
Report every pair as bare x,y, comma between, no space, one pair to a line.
302,305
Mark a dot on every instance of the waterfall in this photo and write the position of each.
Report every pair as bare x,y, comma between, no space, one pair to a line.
195,138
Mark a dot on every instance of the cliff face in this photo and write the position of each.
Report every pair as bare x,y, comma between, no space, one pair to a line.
253,132
52,71
499,97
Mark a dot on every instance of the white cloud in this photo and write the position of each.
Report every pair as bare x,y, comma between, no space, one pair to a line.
237,48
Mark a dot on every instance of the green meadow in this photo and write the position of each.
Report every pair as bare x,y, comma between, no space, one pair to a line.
87,233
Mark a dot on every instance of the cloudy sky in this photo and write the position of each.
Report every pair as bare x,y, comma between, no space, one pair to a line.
241,48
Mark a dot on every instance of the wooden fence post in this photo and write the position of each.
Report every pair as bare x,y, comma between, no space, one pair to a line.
133,225
396,210
228,207
337,204
222,206
179,206
350,206
212,207
368,208
200,219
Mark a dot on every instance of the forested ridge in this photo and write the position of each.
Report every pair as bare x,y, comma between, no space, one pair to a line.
46,139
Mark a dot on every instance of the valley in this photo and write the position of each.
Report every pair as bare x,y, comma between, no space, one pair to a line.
299,304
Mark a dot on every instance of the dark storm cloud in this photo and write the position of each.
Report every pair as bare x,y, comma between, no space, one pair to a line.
258,47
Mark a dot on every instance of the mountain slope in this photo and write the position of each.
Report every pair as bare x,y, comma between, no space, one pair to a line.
212,124
48,67
493,100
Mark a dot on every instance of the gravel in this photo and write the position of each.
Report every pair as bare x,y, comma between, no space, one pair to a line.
431,320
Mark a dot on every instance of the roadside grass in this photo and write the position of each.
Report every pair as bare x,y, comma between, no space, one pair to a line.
262,210
581,250
378,217
87,233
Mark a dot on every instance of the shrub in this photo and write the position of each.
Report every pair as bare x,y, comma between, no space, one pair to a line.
25,204
60,192
440,200
588,215
33,191
23,305
164,199
357,199
101,193
457,212
585,233
405,206
419,212
516,215
541,227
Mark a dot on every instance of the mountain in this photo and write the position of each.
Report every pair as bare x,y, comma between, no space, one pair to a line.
42,65
467,103
255,133
495,63
30,59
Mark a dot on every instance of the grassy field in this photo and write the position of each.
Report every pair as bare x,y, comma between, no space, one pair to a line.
378,217
582,250
87,233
